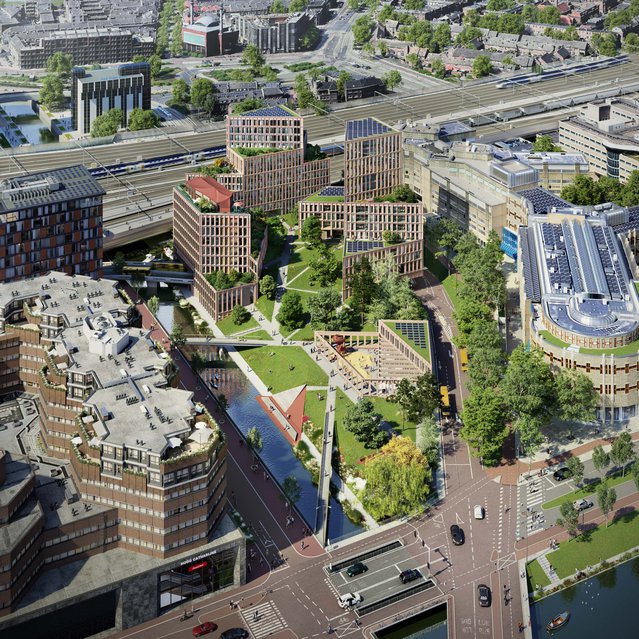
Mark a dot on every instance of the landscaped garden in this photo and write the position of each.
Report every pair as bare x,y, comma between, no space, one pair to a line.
228,327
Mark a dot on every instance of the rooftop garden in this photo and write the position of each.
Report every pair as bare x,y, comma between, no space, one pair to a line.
402,193
325,198
222,280
628,349
249,152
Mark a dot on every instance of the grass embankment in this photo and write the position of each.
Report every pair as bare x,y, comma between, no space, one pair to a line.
228,327
257,335
449,282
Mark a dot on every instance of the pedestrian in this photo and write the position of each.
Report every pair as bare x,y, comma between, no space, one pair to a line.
302,545
248,568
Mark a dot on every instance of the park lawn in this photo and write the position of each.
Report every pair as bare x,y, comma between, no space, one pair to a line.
587,491
536,576
265,306
257,335
390,412
599,544
304,334
304,282
302,258
271,364
350,449
229,328
291,218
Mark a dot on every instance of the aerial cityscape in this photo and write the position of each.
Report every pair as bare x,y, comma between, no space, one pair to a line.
355,347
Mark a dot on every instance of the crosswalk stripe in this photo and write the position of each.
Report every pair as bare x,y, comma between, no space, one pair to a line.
267,622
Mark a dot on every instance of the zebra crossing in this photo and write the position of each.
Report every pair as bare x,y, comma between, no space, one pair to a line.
263,620
530,495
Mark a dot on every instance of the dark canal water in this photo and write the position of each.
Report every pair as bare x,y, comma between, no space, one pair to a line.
428,625
602,606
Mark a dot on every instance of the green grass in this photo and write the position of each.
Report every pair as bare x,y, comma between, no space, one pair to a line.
274,370
265,306
555,341
587,491
229,328
450,286
257,335
291,218
599,544
304,282
305,334
628,349
536,576
390,412
302,258
325,198
449,282
424,352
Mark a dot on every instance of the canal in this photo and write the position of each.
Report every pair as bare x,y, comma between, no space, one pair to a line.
600,606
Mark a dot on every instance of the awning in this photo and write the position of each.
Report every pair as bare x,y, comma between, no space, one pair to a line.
175,442
201,436
76,441
200,425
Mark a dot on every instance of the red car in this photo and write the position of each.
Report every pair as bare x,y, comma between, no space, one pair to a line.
204,628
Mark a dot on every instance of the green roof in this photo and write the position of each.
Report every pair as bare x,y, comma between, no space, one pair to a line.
628,349
324,198
424,351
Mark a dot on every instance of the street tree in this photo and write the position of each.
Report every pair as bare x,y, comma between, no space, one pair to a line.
569,518
60,64
528,428
600,459
177,336
181,92
52,92
486,364
107,124
253,57
482,66
545,144
622,452
635,474
268,286
362,29
576,467
323,309
239,315
392,79
254,440
291,490
201,89
438,68
484,429
312,231
606,499
397,480
576,397
153,304
364,422
468,314
155,65
140,119
291,314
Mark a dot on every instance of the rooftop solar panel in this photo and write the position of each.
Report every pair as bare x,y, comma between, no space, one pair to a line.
364,128
270,112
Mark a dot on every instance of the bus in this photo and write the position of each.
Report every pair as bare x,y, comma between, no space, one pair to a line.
463,358
443,391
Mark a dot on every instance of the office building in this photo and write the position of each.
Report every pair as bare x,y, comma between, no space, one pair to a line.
208,37
267,150
280,33
605,132
211,233
93,93
579,303
139,494
51,221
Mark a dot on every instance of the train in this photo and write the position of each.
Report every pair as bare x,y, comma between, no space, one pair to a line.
180,158
531,78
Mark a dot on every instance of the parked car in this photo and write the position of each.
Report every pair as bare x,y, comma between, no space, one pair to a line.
356,569
204,628
561,474
483,591
347,601
582,504
235,633
409,575
457,534
479,512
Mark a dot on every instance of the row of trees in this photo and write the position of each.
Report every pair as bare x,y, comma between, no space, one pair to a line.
59,67
108,123
586,190
200,95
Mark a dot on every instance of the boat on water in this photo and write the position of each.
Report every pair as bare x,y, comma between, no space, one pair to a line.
558,621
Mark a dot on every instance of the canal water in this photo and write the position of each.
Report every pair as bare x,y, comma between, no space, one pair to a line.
245,411
602,606
427,625
29,123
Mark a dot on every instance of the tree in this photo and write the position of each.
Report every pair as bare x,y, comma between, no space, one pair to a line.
198,361
584,190
382,47
397,480
606,498
482,66
622,452
107,124
252,57
363,286
468,314
312,231
248,104
438,68
325,268
342,79
392,79
362,420
181,92
577,399
296,6
323,309
605,44
277,7
441,39
291,314
353,5
403,397
635,474
52,92
631,43
412,59
239,315
153,304
484,418
177,337
630,195
600,459
254,440
268,286
576,467
143,119
291,490
155,64
391,237
60,64
429,435
545,144
201,89
209,105
310,38
118,262
413,5
569,518
363,29
549,15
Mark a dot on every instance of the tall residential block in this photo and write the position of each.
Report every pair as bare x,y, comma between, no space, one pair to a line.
51,221
93,93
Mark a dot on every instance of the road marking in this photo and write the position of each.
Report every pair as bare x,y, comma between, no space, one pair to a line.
459,519
263,620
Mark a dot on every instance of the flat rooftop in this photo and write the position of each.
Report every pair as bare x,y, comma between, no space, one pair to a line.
328,194
278,111
365,128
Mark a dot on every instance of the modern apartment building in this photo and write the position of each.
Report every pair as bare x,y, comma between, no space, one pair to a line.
579,303
139,494
211,233
605,132
275,33
93,93
51,221
266,148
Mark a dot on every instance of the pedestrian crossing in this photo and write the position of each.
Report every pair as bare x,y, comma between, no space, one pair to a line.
263,619
530,495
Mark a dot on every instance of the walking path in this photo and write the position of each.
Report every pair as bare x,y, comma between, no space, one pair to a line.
323,490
